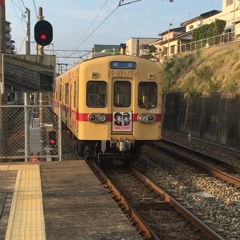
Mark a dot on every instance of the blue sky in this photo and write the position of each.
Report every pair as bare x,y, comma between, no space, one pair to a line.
79,24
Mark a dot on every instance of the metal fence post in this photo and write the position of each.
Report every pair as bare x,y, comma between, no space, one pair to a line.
60,132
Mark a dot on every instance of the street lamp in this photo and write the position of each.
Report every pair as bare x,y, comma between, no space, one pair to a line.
168,53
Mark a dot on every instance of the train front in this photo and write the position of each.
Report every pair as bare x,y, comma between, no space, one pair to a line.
123,106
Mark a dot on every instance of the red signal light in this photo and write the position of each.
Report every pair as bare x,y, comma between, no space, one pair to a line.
52,138
52,141
43,36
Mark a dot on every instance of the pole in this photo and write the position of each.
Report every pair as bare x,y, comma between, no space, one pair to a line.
27,52
168,53
41,99
137,50
27,42
3,99
234,19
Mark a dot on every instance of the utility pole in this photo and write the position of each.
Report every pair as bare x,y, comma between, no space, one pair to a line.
138,46
3,99
27,52
27,42
41,100
168,53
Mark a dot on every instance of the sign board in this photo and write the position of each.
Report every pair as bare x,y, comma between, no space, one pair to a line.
28,73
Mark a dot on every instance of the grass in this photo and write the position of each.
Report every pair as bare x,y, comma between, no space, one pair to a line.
211,70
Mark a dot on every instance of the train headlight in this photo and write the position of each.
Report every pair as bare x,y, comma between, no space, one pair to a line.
146,118
102,117
97,117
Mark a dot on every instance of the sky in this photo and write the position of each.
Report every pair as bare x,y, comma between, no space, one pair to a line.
79,24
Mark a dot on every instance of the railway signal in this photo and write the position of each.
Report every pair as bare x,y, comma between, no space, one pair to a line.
52,138
43,33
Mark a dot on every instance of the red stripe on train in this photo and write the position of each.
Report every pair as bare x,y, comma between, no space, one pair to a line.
83,117
2,2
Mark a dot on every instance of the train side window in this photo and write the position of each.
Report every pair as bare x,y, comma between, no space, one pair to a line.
66,93
147,95
75,94
60,93
122,94
96,94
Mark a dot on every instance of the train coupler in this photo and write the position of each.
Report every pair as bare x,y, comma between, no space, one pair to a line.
123,145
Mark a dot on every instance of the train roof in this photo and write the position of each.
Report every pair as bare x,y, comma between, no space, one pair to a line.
99,54
104,54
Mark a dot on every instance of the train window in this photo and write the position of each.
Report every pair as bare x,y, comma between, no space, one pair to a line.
122,94
66,93
96,94
75,94
60,93
147,95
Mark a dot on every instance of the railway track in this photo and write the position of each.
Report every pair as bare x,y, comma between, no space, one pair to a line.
154,213
215,167
213,200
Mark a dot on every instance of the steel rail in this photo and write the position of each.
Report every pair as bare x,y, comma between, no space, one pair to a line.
216,173
205,229
132,215
228,165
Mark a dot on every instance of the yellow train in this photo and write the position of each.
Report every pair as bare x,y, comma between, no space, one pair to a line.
111,104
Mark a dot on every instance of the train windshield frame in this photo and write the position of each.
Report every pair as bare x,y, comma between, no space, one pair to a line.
122,94
147,95
96,96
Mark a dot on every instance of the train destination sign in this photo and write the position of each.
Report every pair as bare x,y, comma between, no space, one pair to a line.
28,73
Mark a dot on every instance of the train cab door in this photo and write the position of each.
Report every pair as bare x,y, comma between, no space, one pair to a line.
122,107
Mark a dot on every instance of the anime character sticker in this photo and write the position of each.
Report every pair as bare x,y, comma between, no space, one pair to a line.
122,121
126,119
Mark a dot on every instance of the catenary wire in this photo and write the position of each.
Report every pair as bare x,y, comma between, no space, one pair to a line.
76,47
84,40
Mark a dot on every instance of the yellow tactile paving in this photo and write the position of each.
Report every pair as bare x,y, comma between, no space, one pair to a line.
26,219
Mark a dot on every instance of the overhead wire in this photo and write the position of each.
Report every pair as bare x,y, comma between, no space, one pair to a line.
14,7
188,17
91,23
84,40
20,20
23,4
35,8
120,4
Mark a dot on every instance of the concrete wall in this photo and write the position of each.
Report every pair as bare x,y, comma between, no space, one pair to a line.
214,118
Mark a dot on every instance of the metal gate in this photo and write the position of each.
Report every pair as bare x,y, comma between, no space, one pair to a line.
30,133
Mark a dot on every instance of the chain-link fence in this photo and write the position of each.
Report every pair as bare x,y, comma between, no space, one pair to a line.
30,133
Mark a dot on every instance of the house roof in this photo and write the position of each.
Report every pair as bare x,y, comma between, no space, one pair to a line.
178,29
122,46
100,47
141,38
201,16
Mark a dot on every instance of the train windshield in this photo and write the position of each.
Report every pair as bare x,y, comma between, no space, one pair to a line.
122,94
147,95
96,94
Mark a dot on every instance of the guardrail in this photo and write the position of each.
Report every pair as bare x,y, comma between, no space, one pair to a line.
182,49
205,43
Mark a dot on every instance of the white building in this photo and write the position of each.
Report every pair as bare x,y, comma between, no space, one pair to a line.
173,39
139,46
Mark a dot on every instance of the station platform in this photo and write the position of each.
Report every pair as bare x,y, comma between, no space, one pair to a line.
58,201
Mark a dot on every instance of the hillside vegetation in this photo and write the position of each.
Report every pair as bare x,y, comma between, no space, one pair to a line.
210,70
